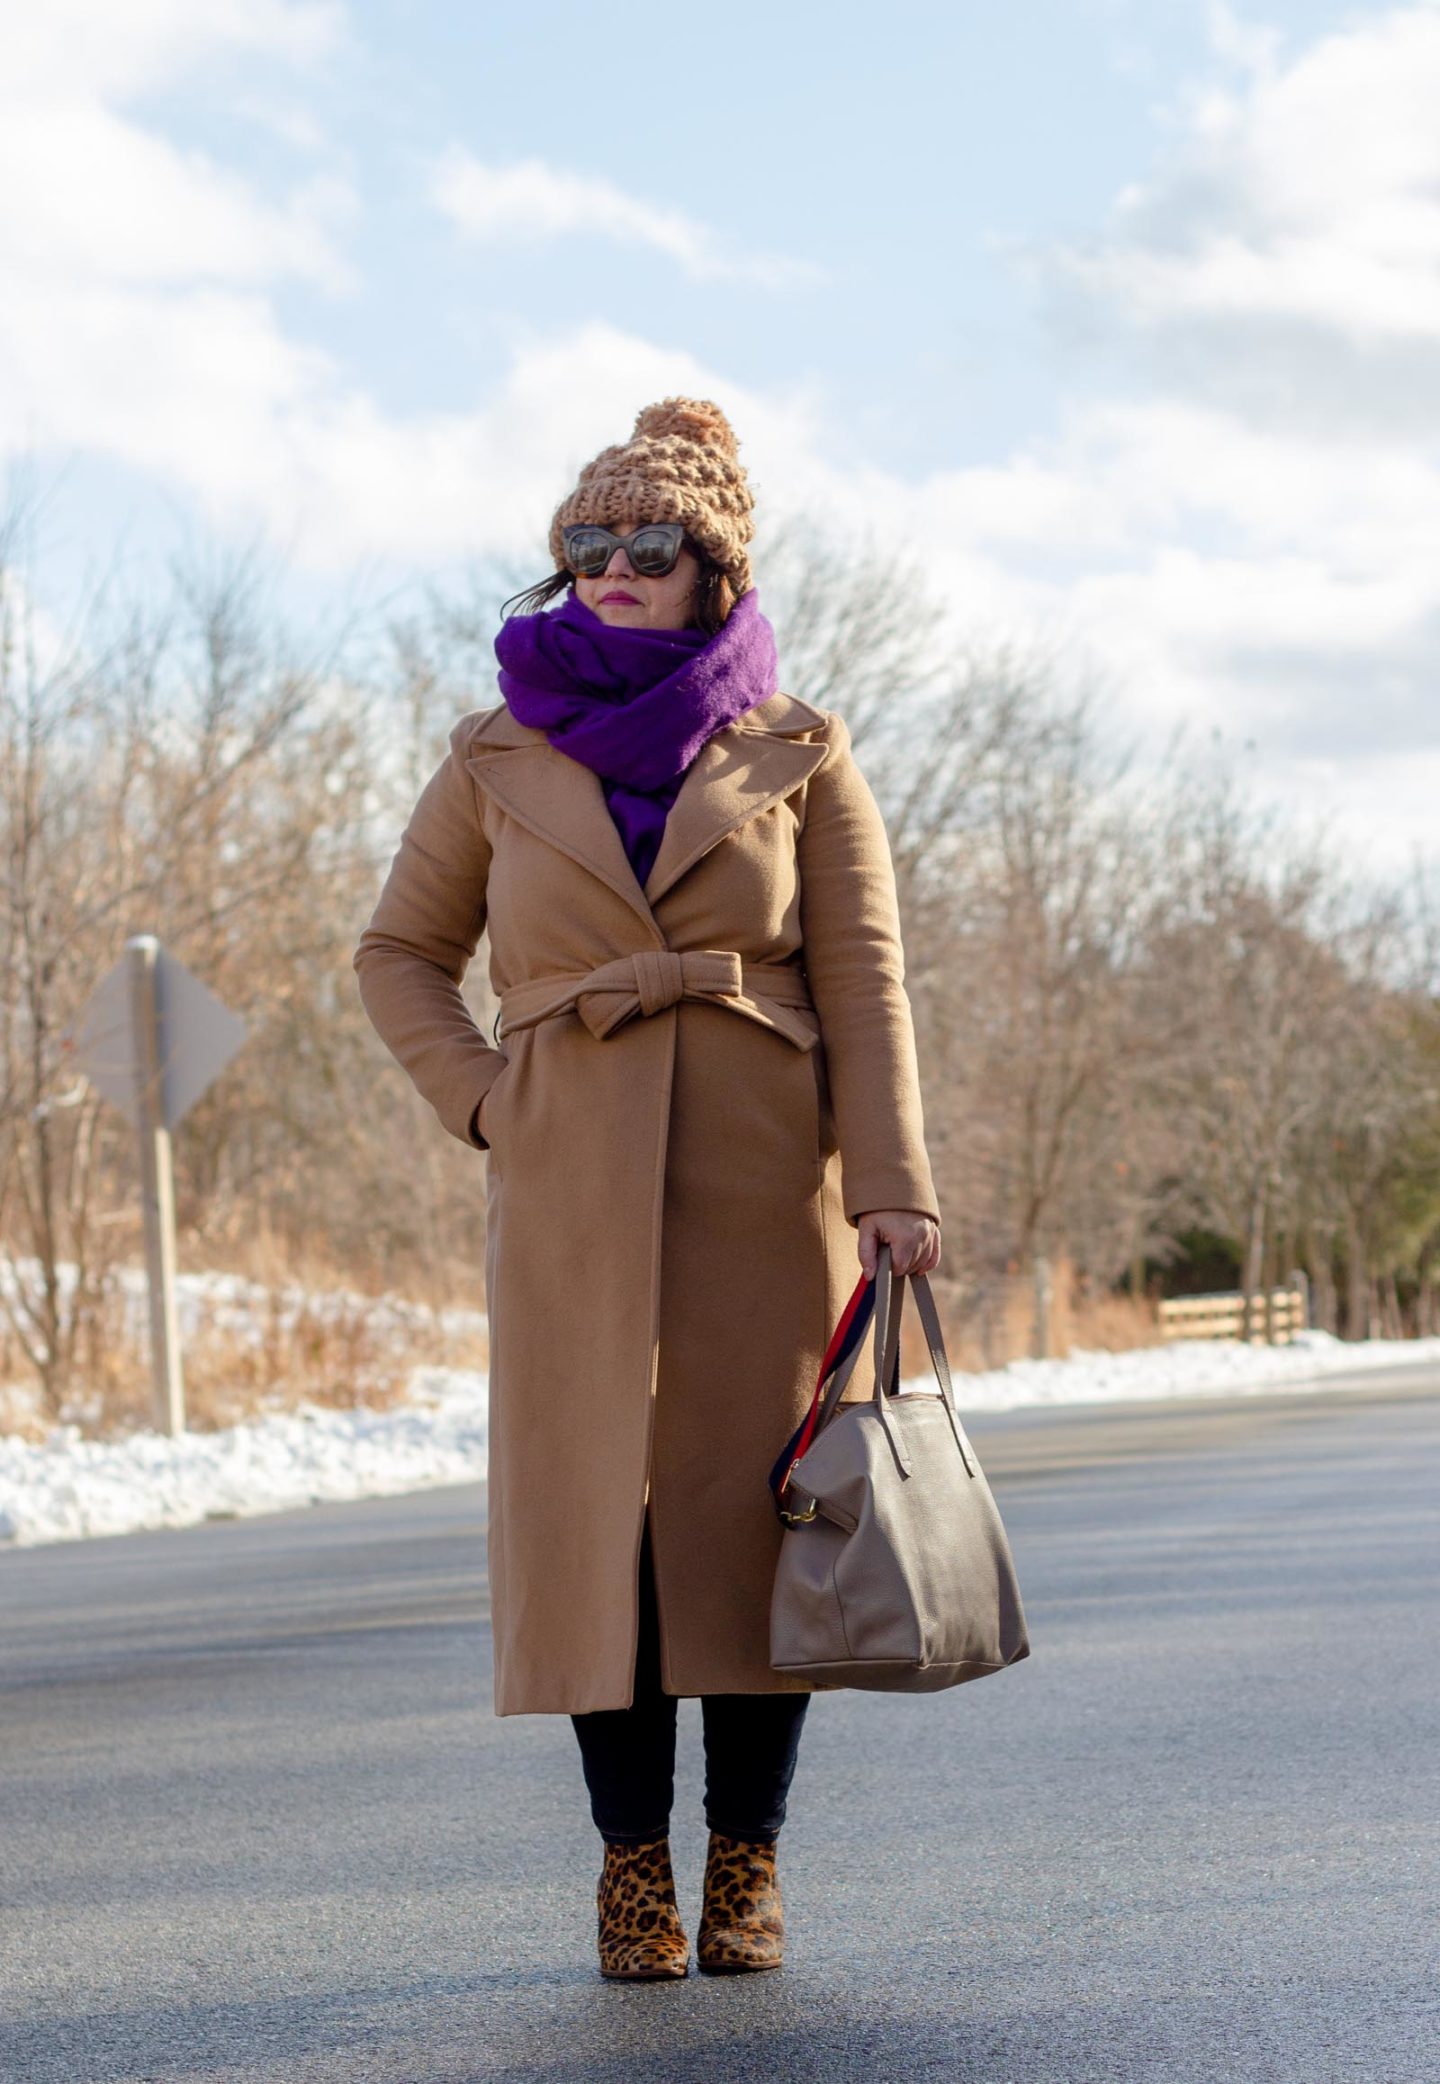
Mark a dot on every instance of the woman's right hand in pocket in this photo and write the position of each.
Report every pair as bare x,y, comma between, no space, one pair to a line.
480,1110
477,1121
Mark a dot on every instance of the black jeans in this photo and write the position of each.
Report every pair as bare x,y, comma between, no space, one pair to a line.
628,1754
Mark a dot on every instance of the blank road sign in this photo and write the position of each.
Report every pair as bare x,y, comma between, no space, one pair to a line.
198,1037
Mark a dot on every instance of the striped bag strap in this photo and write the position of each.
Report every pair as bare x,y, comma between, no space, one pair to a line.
846,1337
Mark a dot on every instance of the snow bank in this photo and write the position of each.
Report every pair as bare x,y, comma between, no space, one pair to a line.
70,1487
1186,1368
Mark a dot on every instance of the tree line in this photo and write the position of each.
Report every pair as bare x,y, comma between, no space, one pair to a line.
1167,1038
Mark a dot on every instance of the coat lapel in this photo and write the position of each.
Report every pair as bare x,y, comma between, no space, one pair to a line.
735,776
738,773
562,802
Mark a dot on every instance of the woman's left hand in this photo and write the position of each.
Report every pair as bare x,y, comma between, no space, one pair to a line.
914,1240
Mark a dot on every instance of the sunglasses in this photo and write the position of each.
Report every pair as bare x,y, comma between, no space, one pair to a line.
653,550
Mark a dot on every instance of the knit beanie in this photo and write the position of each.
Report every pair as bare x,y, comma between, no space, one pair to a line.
681,463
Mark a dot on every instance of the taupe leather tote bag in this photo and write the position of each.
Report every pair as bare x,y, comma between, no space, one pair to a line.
895,1573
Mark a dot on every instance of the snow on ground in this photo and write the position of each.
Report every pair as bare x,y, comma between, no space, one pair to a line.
67,1487
1186,1368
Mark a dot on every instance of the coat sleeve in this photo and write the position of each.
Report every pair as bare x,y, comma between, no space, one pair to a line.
412,957
850,927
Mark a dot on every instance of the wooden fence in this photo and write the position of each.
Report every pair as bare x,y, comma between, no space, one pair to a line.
1219,1316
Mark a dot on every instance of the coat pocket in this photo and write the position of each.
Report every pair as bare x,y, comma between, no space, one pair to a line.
492,1112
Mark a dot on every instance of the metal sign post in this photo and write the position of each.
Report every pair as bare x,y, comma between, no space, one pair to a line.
157,1189
152,1038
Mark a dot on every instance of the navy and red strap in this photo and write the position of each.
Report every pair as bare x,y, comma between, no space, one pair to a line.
846,1337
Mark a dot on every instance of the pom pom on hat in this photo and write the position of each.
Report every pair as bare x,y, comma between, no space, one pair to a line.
681,463
692,419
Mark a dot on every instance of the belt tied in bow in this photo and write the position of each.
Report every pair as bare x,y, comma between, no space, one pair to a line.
605,998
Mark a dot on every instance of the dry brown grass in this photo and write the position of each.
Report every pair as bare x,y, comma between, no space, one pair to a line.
1078,1323
278,1334
318,1354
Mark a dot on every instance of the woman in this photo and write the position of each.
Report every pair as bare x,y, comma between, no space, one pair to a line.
704,1103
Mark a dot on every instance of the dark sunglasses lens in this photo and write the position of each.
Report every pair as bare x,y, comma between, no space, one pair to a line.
589,550
655,551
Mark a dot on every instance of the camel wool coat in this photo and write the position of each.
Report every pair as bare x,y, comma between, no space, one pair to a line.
701,1084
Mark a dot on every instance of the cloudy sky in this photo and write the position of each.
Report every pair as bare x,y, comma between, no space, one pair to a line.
1127,312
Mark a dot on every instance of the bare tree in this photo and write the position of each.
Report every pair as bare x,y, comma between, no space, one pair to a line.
137,762
1145,1009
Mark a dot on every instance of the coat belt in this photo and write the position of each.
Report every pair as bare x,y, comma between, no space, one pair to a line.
656,978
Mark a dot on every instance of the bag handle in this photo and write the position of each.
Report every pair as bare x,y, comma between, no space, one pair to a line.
840,1357
935,1340
844,1343
889,1302
846,1368
886,1347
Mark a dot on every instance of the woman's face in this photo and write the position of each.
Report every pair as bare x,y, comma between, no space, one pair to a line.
624,596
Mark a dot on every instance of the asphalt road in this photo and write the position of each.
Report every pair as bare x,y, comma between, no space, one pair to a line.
257,1823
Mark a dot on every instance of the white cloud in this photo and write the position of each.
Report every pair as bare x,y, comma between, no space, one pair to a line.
134,323
1251,45
1307,193
91,196
1246,532
1244,540
101,200
530,200
68,46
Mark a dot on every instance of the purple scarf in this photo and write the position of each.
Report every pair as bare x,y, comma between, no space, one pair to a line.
636,705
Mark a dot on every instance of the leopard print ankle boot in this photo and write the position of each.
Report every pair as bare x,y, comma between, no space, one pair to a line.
742,1925
641,1937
